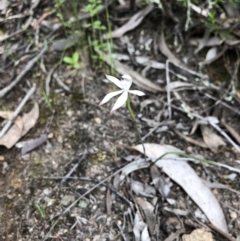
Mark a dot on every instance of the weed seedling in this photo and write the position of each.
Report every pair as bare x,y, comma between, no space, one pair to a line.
73,61
41,210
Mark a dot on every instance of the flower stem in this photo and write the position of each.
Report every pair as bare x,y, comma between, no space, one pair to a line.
134,122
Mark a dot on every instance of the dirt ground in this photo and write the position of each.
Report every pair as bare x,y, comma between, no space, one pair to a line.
41,192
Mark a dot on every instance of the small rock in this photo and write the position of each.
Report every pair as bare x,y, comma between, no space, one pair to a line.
50,135
103,189
60,139
119,222
189,149
233,215
49,201
70,113
98,121
68,81
198,235
67,199
46,192
16,183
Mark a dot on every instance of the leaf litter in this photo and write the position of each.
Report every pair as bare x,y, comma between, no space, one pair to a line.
20,127
182,173
189,95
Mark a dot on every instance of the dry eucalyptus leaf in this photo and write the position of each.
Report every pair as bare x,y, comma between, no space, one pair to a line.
138,79
166,51
145,235
186,177
143,189
30,119
179,84
231,131
135,20
6,114
138,227
64,44
32,144
161,185
148,210
13,134
211,139
4,4
20,127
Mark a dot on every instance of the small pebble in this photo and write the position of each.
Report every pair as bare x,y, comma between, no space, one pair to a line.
98,121
60,139
70,113
67,199
103,189
119,222
233,215
189,149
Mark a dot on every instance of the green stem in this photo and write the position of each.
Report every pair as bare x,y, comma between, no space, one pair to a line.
188,156
134,122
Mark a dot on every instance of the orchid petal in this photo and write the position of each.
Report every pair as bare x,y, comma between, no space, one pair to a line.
136,92
120,101
126,82
116,81
110,96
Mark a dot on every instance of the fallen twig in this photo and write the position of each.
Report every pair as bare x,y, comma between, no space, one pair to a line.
29,66
17,111
168,90
225,135
74,167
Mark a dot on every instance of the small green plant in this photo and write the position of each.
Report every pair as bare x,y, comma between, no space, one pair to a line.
41,210
73,61
59,4
96,25
47,100
93,7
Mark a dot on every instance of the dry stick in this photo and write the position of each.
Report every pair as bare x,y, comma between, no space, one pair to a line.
28,67
74,167
225,235
91,180
60,82
17,111
223,133
48,78
168,90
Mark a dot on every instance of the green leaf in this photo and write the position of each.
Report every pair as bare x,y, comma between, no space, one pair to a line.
68,60
103,27
76,65
88,25
75,57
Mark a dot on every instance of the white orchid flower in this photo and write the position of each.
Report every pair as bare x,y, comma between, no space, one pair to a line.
124,84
